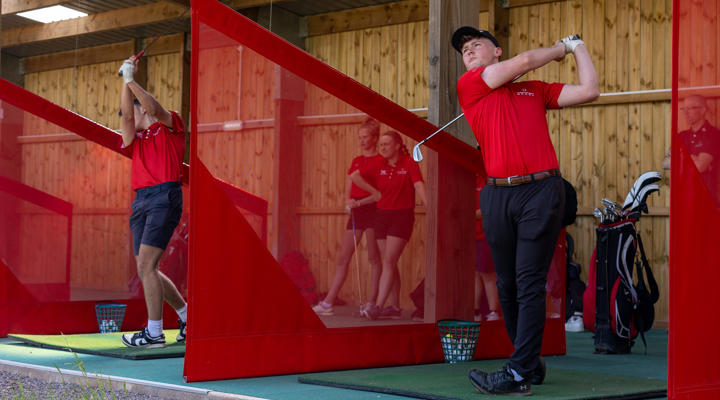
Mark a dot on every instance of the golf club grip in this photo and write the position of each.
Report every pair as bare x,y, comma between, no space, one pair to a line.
137,57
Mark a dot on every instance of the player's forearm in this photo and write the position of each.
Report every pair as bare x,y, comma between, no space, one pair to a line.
127,120
149,103
587,76
363,184
536,58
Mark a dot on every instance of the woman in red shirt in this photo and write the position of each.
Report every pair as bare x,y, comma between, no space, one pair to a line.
362,218
396,178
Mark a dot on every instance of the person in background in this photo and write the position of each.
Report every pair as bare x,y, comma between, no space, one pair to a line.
485,278
397,179
361,220
702,141
155,139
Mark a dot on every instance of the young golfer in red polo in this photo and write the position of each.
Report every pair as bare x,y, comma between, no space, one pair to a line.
523,201
155,138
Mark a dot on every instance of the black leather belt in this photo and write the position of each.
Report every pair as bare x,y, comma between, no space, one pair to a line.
522,179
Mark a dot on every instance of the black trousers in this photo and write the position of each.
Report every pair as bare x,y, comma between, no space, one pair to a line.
522,224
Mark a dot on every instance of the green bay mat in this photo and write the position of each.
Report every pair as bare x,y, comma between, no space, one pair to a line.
450,381
104,344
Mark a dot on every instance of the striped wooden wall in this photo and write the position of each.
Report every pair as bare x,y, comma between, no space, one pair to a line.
96,180
601,148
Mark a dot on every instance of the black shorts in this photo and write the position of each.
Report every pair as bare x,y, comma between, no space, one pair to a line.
364,217
398,223
156,211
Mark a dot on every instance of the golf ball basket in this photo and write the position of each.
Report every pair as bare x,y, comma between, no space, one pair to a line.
458,339
109,317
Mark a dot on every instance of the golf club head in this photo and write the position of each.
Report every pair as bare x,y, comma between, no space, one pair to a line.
643,194
417,154
643,180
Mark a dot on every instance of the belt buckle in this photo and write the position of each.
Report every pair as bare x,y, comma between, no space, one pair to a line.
511,177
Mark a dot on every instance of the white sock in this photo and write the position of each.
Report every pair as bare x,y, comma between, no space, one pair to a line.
326,305
155,328
517,376
182,313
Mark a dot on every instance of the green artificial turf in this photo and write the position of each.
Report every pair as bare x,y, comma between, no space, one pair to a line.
104,344
450,381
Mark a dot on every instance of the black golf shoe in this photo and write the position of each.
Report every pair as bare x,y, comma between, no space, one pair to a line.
539,373
500,382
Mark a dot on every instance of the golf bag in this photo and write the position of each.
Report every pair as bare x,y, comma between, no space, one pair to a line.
622,308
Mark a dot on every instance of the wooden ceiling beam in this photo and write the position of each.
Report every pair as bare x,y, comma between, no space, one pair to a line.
160,11
240,4
16,6
72,58
368,17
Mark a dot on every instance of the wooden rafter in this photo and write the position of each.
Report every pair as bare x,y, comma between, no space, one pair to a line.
117,19
240,4
368,17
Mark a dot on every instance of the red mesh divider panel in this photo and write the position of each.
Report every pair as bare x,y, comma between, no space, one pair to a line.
274,121
64,206
693,372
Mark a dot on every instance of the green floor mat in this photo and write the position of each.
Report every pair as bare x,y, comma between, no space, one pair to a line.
450,381
104,344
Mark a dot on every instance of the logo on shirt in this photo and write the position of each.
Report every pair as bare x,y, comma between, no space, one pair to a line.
146,134
524,92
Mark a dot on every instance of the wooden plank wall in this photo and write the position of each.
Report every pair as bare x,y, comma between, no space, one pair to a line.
96,180
601,148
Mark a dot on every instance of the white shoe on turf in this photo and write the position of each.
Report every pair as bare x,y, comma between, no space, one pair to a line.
575,324
183,331
143,339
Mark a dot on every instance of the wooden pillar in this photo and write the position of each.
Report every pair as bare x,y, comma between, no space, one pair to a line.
287,163
450,249
499,23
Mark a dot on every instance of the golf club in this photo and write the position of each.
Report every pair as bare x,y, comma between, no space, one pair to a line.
147,46
417,154
140,54
357,262
643,180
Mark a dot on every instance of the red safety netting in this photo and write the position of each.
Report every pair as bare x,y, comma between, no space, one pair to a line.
64,207
271,118
693,370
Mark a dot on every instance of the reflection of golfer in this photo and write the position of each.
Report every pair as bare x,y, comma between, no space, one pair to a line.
155,138
523,201
396,177
362,217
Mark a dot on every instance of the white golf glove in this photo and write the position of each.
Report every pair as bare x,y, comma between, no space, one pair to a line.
127,70
571,42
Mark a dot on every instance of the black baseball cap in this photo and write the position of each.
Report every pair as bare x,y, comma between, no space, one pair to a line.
463,31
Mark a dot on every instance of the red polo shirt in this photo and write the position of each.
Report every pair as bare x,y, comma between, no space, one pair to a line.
395,183
157,153
509,123
355,191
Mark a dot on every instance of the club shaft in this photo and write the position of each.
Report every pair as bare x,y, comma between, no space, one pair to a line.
440,130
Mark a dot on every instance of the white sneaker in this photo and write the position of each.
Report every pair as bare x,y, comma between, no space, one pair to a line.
493,316
320,309
575,323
